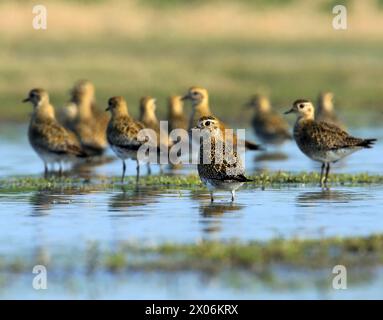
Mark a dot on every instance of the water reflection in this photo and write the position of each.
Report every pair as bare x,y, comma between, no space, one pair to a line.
215,209
85,168
43,201
212,215
313,198
128,198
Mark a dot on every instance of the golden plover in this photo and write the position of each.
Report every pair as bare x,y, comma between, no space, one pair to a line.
325,109
148,115
176,116
269,126
321,141
149,119
122,133
67,115
51,141
89,123
200,103
225,173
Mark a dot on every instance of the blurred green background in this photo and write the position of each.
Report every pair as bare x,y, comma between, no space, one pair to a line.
287,49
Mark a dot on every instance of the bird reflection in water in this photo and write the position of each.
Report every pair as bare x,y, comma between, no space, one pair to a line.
43,201
313,198
84,168
128,198
212,214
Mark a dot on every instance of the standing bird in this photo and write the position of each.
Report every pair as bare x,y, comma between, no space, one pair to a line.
325,109
89,124
269,126
176,116
149,119
322,141
122,133
51,141
224,172
178,124
200,103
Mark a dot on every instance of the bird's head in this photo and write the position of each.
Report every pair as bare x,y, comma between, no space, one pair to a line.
175,105
196,95
37,97
302,108
147,105
259,102
83,90
210,123
117,105
326,101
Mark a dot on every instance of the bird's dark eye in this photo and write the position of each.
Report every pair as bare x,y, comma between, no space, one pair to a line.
301,106
207,123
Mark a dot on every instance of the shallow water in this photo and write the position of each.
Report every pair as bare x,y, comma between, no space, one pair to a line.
66,217
20,159
61,219
191,285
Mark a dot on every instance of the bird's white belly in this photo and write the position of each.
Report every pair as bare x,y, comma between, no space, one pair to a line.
335,155
221,185
123,153
46,156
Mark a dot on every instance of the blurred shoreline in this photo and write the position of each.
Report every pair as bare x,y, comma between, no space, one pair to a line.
284,48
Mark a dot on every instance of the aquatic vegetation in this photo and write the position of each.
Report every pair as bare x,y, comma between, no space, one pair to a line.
211,256
262,180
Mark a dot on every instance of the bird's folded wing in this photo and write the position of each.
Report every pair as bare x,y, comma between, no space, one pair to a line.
55,138
125,135
328,136
228,170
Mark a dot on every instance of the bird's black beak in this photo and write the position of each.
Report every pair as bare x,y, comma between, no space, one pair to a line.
289,111
26,100
107,109
185,97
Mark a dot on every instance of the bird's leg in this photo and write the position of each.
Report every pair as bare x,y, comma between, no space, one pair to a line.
232,195
321,175
123,171
211,196
137,172
60,169
149,169
327,173
45,170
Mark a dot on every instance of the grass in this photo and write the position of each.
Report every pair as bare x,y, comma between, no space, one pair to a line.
261,180
210,256
232,70
296,252
176,4
130,55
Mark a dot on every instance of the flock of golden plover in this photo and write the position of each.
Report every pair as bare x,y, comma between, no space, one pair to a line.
81,130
